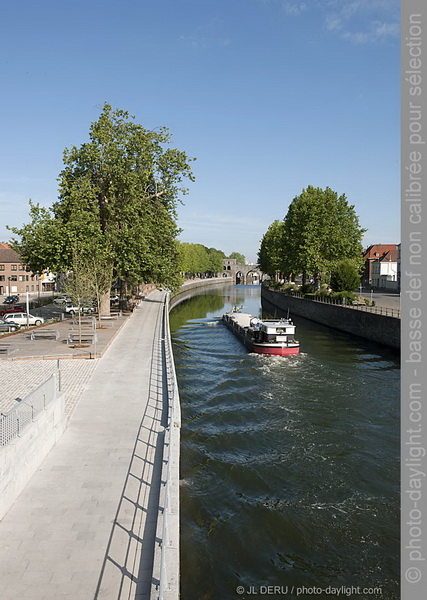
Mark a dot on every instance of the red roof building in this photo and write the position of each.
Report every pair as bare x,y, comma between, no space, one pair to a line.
377,252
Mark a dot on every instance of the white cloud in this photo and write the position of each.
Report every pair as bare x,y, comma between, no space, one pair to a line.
362,21
294,8
357,21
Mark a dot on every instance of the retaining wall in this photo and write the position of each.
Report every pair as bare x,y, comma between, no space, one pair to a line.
186,291
22,456
377,328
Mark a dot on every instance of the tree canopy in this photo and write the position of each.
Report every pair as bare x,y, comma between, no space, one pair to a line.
345,276
239,257
196,259
319,229
118,194
270,254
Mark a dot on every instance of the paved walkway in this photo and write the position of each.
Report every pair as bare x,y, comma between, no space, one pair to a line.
84,528
384,299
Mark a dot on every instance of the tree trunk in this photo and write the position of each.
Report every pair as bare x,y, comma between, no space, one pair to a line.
104,304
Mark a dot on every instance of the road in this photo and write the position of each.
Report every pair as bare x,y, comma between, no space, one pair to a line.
384,299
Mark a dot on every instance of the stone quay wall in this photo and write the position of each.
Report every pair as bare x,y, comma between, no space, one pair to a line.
191,288
377,328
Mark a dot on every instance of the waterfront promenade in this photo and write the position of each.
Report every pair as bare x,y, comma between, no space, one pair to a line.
86,525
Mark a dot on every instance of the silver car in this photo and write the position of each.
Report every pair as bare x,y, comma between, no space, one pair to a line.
21,318
6,326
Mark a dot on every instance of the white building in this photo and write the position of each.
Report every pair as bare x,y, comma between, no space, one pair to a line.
384,271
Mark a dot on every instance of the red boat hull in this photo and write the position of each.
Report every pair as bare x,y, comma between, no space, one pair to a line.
277,351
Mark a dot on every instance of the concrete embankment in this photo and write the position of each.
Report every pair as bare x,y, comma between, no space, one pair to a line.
198,286
377,328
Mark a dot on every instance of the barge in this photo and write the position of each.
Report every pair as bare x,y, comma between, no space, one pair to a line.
263,336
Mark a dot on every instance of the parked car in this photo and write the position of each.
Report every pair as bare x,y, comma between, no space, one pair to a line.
62,300
14,308
8,326
21,318
114,299
11,299
73,310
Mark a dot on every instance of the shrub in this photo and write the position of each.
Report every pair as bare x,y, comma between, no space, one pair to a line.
345,276
344,297
307,289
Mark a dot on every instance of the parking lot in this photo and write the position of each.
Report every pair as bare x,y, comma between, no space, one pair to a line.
60,336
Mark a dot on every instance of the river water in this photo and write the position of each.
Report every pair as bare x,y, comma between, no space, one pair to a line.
289,465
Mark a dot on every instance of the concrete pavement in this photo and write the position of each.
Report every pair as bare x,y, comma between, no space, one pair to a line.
383,299
84,528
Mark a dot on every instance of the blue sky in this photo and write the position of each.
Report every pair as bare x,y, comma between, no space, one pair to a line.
270,96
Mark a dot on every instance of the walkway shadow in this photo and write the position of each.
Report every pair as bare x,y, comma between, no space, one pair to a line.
127,569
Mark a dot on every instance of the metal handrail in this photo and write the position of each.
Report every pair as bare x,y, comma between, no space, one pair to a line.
169,559
14,421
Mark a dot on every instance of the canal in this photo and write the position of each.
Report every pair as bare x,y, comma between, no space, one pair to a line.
289,465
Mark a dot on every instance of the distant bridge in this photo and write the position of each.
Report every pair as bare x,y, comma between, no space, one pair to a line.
242,274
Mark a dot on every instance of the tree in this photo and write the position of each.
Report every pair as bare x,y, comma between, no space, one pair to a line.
117,202
345,276
241,260
320,229
270,254
196,259
80,285
216,261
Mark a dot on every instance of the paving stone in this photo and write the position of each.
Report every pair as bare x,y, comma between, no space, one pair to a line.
73,532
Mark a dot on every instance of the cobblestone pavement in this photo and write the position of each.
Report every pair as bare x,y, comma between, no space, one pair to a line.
19,378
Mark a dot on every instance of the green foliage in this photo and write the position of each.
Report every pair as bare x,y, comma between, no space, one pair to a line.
196,259
318,230
241,260
345,276
307,288
117,203
270,254
344,297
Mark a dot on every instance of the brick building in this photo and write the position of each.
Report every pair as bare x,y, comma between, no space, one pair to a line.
380,260
14,278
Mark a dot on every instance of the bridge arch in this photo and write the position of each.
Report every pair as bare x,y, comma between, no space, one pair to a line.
242,274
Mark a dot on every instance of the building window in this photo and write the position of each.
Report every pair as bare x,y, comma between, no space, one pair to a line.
14,267
1,267
1,277
22,278
13,278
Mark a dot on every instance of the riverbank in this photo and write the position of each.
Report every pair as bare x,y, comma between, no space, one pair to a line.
188,289
374,327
